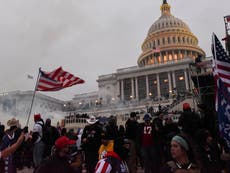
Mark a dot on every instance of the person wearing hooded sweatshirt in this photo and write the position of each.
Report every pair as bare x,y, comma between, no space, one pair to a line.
115,161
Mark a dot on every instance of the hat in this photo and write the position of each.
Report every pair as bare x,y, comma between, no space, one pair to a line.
186,106
147,117
180,140
92,120
63,141
12,122
37,116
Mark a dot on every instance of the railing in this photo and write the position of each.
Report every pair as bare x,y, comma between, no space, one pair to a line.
176,102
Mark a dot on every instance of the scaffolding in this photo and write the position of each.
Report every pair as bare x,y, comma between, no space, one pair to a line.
203,82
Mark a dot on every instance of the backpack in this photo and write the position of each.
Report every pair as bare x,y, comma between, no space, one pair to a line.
45,135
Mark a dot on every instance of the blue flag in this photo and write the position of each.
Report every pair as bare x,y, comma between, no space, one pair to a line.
224,111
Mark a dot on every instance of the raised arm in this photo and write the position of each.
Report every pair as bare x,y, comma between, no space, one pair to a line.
9,150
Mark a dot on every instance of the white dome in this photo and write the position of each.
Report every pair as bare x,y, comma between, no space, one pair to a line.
168,22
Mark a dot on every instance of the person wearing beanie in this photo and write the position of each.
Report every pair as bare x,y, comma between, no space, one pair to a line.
186,107
146,145
37,140
182,155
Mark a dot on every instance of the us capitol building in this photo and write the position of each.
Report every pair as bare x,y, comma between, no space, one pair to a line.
162,72
161,75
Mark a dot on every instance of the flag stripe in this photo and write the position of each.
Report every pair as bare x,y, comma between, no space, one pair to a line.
57,80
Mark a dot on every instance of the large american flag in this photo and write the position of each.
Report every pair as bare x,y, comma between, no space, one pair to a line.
221,62
56,80
221,71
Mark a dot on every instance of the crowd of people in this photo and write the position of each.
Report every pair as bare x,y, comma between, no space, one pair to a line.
157,145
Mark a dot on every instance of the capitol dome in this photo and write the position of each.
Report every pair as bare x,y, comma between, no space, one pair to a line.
168,39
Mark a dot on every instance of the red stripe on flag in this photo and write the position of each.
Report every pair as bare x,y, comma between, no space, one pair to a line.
105,166
224,76
226,68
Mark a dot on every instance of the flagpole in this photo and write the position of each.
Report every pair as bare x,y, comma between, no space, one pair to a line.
31,106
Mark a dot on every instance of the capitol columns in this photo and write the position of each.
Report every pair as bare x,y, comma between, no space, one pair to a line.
186,80
132,88
174,79
136,83
147,86
170,82
158,86
122,90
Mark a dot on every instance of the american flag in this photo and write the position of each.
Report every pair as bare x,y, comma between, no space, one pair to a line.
156,50
56,80
224,112
221,62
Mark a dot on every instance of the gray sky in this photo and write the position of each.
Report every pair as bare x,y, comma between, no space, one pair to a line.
89,37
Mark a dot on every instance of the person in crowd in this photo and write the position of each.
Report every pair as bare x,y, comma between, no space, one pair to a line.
49,136
170,130
131,127
59,160
183,157
159,138
209,152
147,148
91,141
39,146
63,132
2,131
208,119
111,128
107,144
189,121
9,139
11,149
115,161
225,153
121,131
79,135
28,150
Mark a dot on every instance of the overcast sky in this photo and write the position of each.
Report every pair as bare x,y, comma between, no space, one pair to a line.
89,37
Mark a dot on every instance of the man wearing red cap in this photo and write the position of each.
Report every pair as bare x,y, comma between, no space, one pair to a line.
189,121
37,139
58,162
